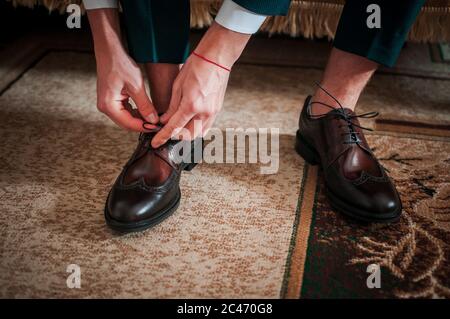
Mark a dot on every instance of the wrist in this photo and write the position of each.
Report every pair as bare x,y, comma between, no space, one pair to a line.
107,50
211,62
222,45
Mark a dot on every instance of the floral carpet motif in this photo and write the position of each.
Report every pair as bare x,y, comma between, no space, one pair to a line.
413,254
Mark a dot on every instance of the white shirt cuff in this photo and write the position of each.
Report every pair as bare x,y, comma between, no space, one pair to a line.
236,18
100,4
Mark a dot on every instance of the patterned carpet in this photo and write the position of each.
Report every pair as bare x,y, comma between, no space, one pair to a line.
237,233
414,253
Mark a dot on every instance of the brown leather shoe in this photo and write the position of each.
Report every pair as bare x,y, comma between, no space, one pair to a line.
356,184
147,190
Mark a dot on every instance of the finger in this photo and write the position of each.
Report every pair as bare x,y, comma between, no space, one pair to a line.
134,112
175,100
144,105
177,121
207,125
120,115
195,127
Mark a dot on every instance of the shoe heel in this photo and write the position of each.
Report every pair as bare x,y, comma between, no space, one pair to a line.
190,167
304,150
196,143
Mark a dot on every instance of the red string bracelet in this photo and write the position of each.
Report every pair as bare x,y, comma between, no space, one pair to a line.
209,61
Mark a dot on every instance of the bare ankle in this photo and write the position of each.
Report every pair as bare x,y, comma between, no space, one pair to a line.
326,103
344,78
161,77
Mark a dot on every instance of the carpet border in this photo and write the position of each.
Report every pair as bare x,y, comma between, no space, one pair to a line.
410,127
298,247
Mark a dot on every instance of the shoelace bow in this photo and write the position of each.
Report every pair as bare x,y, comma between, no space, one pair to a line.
150,149
153,130
148,134
354,138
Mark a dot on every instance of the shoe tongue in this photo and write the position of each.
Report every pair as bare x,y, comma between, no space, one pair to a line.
357,160
148,166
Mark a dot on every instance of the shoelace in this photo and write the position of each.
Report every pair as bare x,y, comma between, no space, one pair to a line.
148,134
150,149
354,138
154,130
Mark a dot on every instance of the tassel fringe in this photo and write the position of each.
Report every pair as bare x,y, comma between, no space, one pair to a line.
309,19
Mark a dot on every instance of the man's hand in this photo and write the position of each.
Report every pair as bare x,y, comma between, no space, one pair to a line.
118,76
197,95
199,89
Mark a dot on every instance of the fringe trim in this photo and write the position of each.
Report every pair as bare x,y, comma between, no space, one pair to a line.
203,12
309,19
51,5
432,25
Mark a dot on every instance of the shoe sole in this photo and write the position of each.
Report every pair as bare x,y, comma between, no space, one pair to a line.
311,156
150,222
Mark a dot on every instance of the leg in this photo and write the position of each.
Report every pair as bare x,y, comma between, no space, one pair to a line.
158,37
345,77
357,185
161,77
358,50
145,194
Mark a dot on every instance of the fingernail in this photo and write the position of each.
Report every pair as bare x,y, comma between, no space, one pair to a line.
148,126
152,118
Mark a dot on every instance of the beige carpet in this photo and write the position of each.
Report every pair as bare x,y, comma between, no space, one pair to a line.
59,156
231,236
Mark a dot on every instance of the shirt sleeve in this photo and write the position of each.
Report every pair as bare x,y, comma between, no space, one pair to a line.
236,18
100,4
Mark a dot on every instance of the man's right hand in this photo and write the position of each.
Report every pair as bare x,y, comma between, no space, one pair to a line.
118,76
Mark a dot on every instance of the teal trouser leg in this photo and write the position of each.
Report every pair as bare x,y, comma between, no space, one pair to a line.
380,45
157,30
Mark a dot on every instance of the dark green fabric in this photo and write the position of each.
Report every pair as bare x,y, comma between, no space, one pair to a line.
157,30
380,45
265,7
